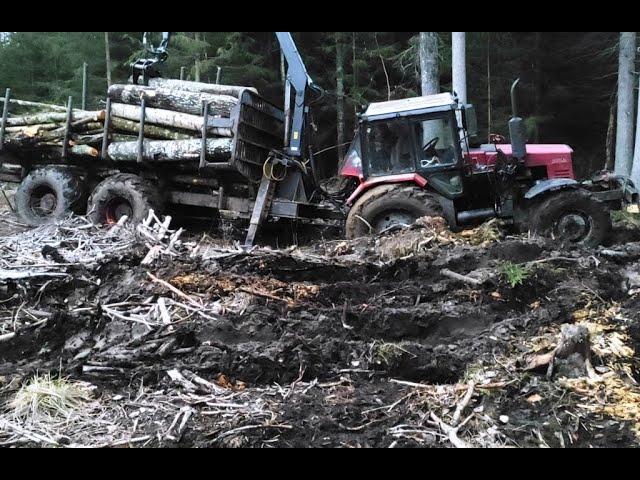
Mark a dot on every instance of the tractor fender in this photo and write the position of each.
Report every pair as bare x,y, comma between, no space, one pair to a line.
545,186
419,180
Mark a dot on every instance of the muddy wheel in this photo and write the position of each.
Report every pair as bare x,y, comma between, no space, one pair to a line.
123,194
572,217
387,206
49,194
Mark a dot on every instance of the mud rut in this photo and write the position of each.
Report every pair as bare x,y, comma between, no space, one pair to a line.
346,339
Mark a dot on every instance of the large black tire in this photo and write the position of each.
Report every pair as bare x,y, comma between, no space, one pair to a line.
384,206
571,217
49,194
124,194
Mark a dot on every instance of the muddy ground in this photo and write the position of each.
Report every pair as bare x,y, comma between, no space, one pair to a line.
333,343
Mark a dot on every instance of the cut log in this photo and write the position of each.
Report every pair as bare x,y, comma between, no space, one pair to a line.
54,118
84,150
33,128
152,131
44,106
94,139
33,135
175,100
171,151
166,118
198,87
119,137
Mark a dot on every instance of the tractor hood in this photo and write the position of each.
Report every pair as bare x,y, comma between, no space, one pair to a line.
557,159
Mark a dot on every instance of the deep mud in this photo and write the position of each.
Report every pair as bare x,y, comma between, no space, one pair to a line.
343,335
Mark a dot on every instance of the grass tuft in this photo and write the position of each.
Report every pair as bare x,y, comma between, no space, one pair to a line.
44,398
515,274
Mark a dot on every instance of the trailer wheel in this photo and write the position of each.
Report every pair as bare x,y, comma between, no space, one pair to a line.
386,206
572,217
123,194
49,194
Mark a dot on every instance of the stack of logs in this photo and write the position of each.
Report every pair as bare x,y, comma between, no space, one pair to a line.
173,123
45,131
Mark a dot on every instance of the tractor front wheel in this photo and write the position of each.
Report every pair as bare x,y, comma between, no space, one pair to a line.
571,217
387,206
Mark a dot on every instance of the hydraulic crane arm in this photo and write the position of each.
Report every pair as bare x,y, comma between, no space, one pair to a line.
299,80
147,67
298,83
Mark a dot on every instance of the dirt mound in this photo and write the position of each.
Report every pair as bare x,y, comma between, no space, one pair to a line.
419,337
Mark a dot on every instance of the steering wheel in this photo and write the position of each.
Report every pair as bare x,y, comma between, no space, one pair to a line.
431,144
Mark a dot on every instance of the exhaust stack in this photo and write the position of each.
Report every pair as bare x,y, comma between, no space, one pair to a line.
516,127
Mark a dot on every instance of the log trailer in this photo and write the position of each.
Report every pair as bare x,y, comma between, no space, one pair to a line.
409,158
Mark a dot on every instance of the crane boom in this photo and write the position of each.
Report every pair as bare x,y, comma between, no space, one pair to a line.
297,78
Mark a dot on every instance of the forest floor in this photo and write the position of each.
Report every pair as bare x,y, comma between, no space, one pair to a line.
367,343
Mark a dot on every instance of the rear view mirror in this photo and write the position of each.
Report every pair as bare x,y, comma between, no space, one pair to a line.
470,120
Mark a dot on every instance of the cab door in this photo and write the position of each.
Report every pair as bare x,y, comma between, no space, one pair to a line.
438,153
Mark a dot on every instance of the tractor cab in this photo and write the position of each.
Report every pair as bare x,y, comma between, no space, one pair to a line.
411,139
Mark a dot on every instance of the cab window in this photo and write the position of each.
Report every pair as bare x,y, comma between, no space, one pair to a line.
390,147
438,147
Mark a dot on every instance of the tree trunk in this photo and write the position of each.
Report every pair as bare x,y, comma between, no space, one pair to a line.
429,75
195,87
107,49
176,100
611,135
459,75
53,118
340,50
488,86
624,133
152,131
172,151
354,74
537,79
635,170
459,65
166,118
197,62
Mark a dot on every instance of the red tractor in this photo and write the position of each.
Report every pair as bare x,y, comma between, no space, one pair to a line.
410,158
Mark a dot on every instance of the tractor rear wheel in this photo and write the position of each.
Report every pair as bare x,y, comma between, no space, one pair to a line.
122,195
49,194
387,206
572,217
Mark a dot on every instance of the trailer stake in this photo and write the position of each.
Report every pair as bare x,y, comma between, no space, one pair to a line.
67,128
143,114
107,127
5,115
